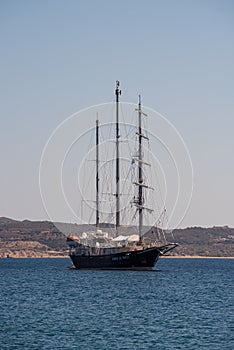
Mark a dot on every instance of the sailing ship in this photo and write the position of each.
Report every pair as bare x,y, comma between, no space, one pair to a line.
100,250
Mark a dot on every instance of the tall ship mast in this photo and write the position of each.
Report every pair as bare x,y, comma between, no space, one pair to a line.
140,179
101,250
117,178
97,173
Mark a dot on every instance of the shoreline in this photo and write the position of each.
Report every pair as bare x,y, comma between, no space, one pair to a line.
196,257
165,256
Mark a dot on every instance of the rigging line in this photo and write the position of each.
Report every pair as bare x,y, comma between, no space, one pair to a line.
108,178
145,127
105,171
148,195
107,185
133,172
112,212
101,136
163,233
107,130
160,230
164,236
124,215
91,139
131,124
126,210
110,149
126,177
109,218
132,221
124,125
159,189
84,184
90,217
159,238
90,178
171,231
153,170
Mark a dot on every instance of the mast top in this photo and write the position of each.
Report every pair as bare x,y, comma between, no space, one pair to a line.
117,90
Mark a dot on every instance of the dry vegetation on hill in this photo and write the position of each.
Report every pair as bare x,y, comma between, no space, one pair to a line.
42,239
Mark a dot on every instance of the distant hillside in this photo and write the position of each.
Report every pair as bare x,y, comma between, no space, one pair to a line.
42,238
30,239
214,241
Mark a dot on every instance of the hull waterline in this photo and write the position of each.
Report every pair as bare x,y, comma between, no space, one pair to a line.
131,260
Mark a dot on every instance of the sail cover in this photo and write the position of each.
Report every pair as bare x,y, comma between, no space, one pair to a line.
120,238
133,238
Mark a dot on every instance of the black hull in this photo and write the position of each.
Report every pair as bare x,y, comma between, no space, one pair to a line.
139,259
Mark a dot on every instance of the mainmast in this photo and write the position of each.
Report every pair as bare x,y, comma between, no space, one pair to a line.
117,94
97,173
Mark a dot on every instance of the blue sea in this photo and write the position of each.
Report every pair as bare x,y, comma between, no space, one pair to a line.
183,304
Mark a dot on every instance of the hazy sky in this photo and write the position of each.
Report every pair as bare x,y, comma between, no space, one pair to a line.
58,57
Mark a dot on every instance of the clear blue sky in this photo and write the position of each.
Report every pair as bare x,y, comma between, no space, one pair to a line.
60,56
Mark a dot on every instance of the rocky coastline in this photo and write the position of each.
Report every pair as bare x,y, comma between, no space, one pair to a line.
42,239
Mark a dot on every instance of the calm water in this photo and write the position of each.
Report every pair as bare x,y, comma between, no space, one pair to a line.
185,304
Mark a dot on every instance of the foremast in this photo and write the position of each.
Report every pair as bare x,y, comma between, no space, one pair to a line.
139,202
140,177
